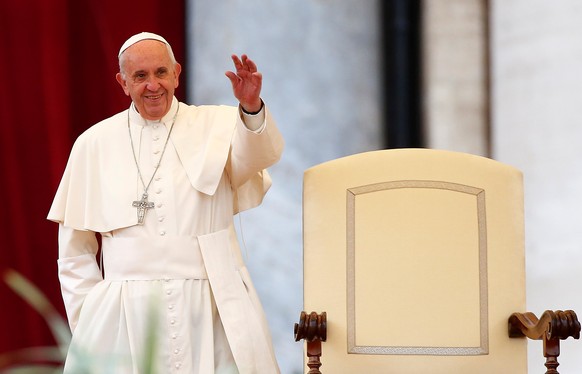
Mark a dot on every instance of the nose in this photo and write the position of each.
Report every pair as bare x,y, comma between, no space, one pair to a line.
153,84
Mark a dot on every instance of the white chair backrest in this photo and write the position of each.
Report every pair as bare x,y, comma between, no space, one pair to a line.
417,257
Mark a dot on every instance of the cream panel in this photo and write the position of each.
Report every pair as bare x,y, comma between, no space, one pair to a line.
392,257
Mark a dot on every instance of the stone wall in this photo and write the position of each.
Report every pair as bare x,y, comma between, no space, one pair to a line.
455,76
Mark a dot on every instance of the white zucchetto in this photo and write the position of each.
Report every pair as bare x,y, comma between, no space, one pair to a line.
138,38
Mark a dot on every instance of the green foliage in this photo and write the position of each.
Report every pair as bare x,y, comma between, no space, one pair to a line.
33,360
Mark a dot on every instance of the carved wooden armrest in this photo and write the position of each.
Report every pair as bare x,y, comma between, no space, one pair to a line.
551,327
313,329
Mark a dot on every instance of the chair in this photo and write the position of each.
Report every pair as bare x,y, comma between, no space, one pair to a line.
414,263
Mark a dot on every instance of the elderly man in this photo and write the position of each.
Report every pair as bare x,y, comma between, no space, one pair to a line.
160,183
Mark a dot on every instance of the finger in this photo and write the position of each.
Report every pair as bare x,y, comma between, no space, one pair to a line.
248,64
258,76
238,64
251,65
234,79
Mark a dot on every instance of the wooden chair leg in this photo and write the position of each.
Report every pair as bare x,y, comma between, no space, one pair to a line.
313,329
551,353
314,356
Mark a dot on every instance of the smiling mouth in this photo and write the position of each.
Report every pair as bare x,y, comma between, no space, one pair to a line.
153,97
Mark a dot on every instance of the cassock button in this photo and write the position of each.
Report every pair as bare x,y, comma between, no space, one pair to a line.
170,307
173,322
161,219
176,351
162,233
156,151
160,205
174,336
159,190
178,365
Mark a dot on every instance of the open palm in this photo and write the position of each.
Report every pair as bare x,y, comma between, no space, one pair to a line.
246,83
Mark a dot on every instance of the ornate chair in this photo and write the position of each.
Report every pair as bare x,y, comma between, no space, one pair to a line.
414,262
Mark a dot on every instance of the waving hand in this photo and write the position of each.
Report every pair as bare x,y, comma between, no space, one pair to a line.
246,83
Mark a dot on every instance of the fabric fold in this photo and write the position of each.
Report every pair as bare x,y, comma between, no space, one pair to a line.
246,330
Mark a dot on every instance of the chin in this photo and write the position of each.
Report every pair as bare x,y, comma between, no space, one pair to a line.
156,113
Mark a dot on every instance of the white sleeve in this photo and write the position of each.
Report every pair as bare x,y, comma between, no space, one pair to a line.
254,147
78,269
253,122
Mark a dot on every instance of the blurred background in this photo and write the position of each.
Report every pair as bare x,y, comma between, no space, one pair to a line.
499,79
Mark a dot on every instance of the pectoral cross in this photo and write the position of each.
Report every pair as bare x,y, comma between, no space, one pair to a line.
142,207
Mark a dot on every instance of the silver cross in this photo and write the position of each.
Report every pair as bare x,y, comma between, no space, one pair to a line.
142,207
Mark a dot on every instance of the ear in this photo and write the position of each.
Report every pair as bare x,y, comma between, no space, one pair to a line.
177,71
122,82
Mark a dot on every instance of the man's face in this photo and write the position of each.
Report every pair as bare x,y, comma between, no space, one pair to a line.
149,77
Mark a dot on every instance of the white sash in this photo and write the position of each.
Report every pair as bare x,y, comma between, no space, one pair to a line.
152,258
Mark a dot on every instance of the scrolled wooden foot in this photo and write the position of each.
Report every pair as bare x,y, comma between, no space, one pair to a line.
552,327
313,329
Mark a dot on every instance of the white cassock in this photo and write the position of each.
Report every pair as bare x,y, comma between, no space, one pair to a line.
176,296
